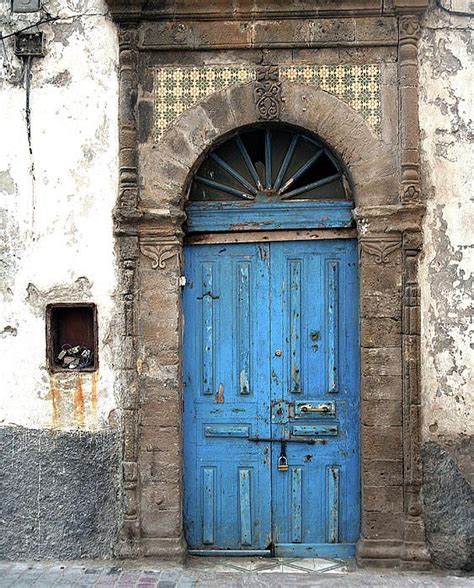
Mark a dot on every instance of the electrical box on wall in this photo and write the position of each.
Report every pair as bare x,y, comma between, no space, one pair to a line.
26,5
29,45
71,337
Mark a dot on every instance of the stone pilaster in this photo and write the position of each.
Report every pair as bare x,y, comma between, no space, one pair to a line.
415,554
125,215
409,33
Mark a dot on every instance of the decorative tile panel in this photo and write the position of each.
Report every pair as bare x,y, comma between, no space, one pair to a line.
179,88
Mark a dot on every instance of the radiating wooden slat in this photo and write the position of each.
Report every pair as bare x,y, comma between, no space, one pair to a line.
268,159
233,172
223,188
286,162
248,162
311,186
301,171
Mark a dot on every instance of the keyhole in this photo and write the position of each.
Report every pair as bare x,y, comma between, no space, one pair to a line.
278,352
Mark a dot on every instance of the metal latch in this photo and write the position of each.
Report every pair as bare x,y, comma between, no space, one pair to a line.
317,408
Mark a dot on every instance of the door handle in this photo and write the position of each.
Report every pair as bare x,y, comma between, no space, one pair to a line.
319,408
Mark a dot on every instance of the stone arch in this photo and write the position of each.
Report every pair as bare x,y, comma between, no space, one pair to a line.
371,163
389,242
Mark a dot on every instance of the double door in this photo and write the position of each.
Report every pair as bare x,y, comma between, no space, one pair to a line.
271,440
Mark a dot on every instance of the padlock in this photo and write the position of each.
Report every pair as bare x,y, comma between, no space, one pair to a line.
282,463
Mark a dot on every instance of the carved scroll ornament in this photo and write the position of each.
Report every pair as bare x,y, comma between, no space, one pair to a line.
381,250
267,93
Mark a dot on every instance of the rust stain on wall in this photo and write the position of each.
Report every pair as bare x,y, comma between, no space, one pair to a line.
79,411
94,379
55,399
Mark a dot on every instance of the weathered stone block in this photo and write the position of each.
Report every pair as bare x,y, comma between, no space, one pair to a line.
377,387
380,305
382,30
382,525
382,413
383,361
383,499
380,331
382,472
381,443
160,523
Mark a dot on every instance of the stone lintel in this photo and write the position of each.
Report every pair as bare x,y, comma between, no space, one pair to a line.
134,10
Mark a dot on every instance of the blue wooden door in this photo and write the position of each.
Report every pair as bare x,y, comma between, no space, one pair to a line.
271,378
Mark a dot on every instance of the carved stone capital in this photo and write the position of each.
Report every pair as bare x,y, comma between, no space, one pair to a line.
410,6
267,93
388,219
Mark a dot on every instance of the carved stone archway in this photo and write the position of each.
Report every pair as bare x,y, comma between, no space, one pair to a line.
389,225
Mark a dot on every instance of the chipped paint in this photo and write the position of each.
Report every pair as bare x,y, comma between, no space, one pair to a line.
57,239
219,395
446,269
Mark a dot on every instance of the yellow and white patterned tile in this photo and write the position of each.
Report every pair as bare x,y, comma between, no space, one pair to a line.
180,88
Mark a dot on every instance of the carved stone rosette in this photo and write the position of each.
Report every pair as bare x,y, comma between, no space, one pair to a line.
409,33
267,93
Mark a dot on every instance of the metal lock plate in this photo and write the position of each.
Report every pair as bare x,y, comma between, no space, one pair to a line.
280,412
314,409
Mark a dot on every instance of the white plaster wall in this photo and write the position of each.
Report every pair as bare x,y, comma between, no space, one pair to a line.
57,228
446,121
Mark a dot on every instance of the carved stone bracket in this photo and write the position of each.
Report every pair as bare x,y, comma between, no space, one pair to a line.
161,237
379,248
160,252
267,93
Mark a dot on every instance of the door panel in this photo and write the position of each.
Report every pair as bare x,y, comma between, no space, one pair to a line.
271,351
226,397
315,327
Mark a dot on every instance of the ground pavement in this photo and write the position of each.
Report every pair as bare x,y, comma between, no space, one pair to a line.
215,572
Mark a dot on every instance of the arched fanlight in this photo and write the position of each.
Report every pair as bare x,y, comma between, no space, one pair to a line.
270,164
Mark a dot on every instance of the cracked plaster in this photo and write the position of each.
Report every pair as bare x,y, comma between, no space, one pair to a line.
58,226
446,111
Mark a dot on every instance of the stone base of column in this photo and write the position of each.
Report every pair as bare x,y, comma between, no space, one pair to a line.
385,554
415,556
163,548
378,553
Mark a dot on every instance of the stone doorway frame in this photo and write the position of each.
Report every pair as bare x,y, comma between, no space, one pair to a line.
149,215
